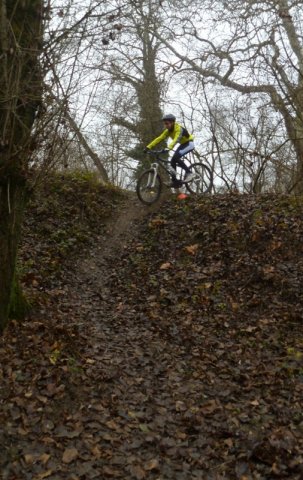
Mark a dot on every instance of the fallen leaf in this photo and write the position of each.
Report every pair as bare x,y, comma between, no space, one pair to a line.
165,266
54,356
30,458
42,475
44,458
180,406
209,407
111,472
90,361
69,455
151,465
144,428
157,222
235,306
229,442
249,329
192,249
138,472
112,425
96,451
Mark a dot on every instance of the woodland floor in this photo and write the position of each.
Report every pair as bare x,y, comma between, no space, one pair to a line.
170,347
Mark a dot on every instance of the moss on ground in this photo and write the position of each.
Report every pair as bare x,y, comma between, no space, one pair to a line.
19,304
67,213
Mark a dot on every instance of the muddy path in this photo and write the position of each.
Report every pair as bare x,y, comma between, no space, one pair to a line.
95,270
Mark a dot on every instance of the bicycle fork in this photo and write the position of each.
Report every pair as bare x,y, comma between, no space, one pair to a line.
152,176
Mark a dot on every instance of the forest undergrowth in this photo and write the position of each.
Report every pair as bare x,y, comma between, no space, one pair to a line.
161,344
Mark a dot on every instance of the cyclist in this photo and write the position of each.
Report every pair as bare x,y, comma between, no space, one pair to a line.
180,135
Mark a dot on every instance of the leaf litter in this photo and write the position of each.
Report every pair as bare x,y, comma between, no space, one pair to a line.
135,371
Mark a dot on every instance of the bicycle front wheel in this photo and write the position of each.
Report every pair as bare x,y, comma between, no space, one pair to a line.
149,187
202,182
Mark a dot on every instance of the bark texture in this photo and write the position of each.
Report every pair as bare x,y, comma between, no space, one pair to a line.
20,97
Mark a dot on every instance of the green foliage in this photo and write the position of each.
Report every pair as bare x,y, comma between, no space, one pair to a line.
83,176
66,215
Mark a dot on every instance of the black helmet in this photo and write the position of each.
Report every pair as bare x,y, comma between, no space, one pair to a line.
169,117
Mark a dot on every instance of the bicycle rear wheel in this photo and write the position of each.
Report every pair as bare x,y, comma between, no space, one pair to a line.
202,182
149,187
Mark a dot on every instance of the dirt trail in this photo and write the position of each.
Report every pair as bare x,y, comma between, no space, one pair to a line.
120,228
96,269
134,378
158,400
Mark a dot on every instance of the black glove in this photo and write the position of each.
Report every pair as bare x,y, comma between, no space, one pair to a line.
165,150
146,150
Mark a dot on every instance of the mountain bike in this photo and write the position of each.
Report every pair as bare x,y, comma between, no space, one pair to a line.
150,182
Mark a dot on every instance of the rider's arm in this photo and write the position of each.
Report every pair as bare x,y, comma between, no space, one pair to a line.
159,139
177,136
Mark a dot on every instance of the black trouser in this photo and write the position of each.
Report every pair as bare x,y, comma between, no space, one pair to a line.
179,153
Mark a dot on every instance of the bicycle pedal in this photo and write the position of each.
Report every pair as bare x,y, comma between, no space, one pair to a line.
177,184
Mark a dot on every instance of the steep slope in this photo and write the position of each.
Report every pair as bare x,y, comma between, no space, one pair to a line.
68,215
171,348
219,280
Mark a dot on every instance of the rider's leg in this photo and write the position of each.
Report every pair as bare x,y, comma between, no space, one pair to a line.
179,153
173,162
175,182
174,159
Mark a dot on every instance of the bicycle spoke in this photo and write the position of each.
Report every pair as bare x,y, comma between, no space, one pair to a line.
202,183
149,187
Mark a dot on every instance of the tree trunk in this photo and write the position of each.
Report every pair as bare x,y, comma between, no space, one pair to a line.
13,195
298,145
149,95
295,131
294,128
20,97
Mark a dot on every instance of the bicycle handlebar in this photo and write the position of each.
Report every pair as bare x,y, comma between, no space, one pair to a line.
156,152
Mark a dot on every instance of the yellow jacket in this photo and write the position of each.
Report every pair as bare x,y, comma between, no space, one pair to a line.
178,135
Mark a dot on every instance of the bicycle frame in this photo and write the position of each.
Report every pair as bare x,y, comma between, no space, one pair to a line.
155,167
149,185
